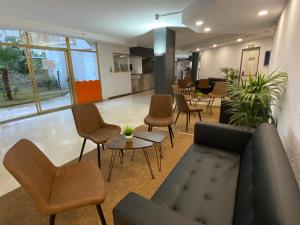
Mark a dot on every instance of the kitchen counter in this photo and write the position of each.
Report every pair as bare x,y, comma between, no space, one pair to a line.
142,82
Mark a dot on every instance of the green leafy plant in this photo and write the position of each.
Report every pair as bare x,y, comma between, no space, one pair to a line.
128,130
199,94
231,74
250,102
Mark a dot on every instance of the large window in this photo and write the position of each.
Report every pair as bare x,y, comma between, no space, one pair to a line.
35,73
121,62
85,68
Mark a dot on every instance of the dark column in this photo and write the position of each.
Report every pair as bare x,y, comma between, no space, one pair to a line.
195,61
164,59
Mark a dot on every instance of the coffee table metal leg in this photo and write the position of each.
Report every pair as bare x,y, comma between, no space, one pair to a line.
112,160
148,162
132,155
160,150
158,157
121,156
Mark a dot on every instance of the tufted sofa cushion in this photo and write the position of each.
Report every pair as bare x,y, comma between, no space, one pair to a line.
202,185
230,175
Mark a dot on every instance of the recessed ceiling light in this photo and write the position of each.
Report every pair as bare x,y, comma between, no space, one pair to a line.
215,45
199,22
207,29
197,49
262,12
239,40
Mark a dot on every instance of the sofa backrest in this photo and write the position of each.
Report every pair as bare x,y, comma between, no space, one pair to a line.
267,192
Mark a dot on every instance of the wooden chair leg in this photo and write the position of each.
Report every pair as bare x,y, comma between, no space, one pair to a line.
82,148
101,215
148,128
52,220
99,156
171,136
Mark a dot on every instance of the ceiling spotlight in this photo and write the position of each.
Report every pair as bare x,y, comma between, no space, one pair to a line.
197,49
239,40
199,23
262,13
215,45
207,29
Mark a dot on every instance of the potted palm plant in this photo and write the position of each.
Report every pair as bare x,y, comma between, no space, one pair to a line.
128,132
250,102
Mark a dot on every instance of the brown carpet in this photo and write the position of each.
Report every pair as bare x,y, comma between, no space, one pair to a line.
16,207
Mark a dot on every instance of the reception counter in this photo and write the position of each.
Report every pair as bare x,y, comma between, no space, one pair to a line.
142,82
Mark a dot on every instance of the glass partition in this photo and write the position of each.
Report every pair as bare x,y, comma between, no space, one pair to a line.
35,73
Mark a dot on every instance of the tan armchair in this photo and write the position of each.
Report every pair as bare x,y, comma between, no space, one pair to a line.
161,114
183,107
90,125
55,189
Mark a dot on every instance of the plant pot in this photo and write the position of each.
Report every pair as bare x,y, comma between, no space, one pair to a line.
129,138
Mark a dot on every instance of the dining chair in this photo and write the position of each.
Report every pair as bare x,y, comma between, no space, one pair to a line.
90,125
161,114
183,107
55,189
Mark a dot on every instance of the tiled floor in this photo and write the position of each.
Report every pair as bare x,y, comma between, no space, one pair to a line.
56,135
30,108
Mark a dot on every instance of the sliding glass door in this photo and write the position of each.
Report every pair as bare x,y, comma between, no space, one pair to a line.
44,72
52,78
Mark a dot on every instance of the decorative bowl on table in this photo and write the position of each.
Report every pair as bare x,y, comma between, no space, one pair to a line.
128,133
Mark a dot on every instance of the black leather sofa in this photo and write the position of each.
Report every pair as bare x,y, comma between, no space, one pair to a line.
229,175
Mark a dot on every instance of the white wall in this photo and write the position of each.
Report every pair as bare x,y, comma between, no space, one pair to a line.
285,56
113,84
230,56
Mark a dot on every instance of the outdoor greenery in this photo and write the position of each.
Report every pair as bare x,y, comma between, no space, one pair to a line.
12,61
15,83
128,130
251,100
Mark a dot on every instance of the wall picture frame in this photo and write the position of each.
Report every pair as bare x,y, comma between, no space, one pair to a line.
249,61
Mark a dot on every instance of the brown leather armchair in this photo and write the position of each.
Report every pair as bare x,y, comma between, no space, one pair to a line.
55,189
90,125
161,114
183,107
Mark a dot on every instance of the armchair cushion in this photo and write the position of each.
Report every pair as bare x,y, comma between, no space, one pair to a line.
75,186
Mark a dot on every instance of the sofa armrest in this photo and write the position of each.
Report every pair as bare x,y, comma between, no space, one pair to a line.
136,210
227,137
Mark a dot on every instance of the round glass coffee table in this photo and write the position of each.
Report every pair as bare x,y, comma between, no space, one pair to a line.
120,144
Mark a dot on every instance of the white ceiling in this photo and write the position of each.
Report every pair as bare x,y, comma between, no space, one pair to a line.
131,20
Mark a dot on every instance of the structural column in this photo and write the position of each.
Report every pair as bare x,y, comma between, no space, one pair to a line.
195,62
164,60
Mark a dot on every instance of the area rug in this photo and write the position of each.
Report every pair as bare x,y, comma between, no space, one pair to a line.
17,208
